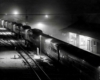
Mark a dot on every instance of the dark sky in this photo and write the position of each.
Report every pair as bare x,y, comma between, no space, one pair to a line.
55,6
61,12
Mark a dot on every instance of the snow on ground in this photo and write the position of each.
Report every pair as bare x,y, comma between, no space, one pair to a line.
10,59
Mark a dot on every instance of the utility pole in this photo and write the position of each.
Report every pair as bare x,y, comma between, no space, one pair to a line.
26,11
26,16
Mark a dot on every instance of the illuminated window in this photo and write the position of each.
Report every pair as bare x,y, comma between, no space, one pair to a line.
72,38
84,42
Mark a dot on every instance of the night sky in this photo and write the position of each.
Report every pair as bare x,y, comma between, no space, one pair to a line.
61,12
53,6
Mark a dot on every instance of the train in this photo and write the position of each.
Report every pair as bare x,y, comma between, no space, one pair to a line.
87,64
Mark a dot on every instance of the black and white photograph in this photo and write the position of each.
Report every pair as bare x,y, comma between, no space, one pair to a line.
49,39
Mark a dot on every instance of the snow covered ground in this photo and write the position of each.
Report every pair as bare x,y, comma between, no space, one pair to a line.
11,59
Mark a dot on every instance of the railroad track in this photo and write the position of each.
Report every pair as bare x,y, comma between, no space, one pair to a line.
39,72
32,64
41,75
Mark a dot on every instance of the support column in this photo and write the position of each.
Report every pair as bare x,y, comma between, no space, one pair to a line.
37,51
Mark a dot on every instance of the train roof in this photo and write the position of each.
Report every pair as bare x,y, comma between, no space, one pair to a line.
14,23
38,31
26,27
82,28
19,24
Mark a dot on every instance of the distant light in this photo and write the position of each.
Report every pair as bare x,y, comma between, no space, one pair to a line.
46,16
40,24
15,12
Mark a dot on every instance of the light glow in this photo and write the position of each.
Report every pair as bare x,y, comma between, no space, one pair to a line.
46,16
48,40
36,57
40,24
15,12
